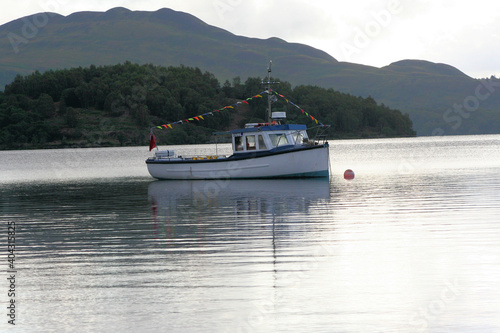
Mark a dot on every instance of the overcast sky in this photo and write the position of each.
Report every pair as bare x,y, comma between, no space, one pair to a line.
464,34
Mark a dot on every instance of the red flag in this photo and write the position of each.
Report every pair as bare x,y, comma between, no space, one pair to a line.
152,141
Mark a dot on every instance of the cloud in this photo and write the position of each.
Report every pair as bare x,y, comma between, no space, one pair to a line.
13,10
473,49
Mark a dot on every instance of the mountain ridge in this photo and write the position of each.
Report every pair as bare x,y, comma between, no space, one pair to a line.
167,37
425,67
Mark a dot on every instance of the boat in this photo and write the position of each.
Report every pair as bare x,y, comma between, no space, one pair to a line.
260,150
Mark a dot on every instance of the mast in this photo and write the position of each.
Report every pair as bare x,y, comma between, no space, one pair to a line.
269,112
270,96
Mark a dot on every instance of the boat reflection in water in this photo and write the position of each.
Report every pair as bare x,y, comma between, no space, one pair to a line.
218,209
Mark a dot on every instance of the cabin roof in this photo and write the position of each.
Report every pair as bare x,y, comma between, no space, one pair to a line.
270,128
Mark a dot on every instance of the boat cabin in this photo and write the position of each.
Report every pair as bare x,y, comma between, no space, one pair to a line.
268,137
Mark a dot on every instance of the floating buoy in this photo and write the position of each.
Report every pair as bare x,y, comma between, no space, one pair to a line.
349,174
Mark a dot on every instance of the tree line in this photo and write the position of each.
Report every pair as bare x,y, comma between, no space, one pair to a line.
117,104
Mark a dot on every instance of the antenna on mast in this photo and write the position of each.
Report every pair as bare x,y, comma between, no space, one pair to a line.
269,112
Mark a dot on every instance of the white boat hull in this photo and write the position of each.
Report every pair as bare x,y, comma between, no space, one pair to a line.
298,163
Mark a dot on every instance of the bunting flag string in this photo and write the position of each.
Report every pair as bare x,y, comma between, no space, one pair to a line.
201,116
298,107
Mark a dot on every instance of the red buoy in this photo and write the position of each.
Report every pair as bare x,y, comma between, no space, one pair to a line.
349,174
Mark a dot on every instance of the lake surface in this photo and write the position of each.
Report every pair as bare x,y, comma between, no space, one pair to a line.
412,244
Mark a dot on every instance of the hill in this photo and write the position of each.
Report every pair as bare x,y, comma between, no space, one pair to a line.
116,105
427,91
164,37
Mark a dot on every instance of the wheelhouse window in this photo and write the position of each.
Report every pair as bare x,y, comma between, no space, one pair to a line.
262,144
238,143
250,141
299,138
278,139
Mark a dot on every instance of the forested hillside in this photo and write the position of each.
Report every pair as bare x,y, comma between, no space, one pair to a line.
117,104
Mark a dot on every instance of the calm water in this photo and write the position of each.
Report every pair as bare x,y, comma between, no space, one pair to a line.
412,244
